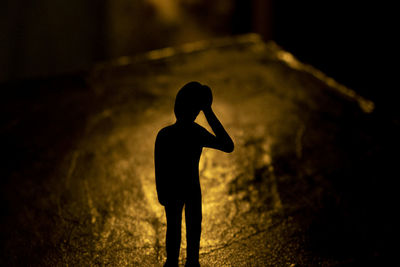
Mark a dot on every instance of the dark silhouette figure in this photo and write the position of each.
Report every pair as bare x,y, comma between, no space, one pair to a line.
177,153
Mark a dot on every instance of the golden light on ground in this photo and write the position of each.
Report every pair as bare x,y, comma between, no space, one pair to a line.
241,200
144,218
101,192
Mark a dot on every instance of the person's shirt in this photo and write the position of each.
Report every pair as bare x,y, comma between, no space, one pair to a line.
177,154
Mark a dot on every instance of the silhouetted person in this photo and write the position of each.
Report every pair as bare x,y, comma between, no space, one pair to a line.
177,153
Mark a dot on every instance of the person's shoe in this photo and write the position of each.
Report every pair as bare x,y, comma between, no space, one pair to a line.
192,264
170,264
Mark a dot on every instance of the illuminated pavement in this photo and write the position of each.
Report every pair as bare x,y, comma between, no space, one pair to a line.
79,187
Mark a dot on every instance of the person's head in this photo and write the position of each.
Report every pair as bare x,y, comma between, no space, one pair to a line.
191,98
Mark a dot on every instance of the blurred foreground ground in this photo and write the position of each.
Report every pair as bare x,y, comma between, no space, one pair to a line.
310,183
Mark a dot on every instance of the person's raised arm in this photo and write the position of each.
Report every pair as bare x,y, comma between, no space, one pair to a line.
222,140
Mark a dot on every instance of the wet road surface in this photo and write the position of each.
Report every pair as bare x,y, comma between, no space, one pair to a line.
79,185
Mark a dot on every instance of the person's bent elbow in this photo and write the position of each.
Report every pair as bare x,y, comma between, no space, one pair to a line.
229,147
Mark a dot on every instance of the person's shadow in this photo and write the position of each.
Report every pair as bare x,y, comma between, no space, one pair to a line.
177,153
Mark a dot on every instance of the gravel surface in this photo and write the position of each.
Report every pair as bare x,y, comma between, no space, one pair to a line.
79,185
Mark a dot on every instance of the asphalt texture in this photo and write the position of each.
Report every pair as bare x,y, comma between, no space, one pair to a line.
311,181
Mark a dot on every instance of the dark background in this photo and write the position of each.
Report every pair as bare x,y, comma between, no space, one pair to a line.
349,40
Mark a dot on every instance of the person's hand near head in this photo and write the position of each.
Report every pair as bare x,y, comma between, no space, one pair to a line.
206,98
221,140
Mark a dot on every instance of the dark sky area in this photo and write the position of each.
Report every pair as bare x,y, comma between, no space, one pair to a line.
352,42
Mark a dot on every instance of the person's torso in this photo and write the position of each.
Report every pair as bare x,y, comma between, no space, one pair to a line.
181,155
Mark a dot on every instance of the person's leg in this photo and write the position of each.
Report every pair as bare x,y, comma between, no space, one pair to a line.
173,212
193,229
